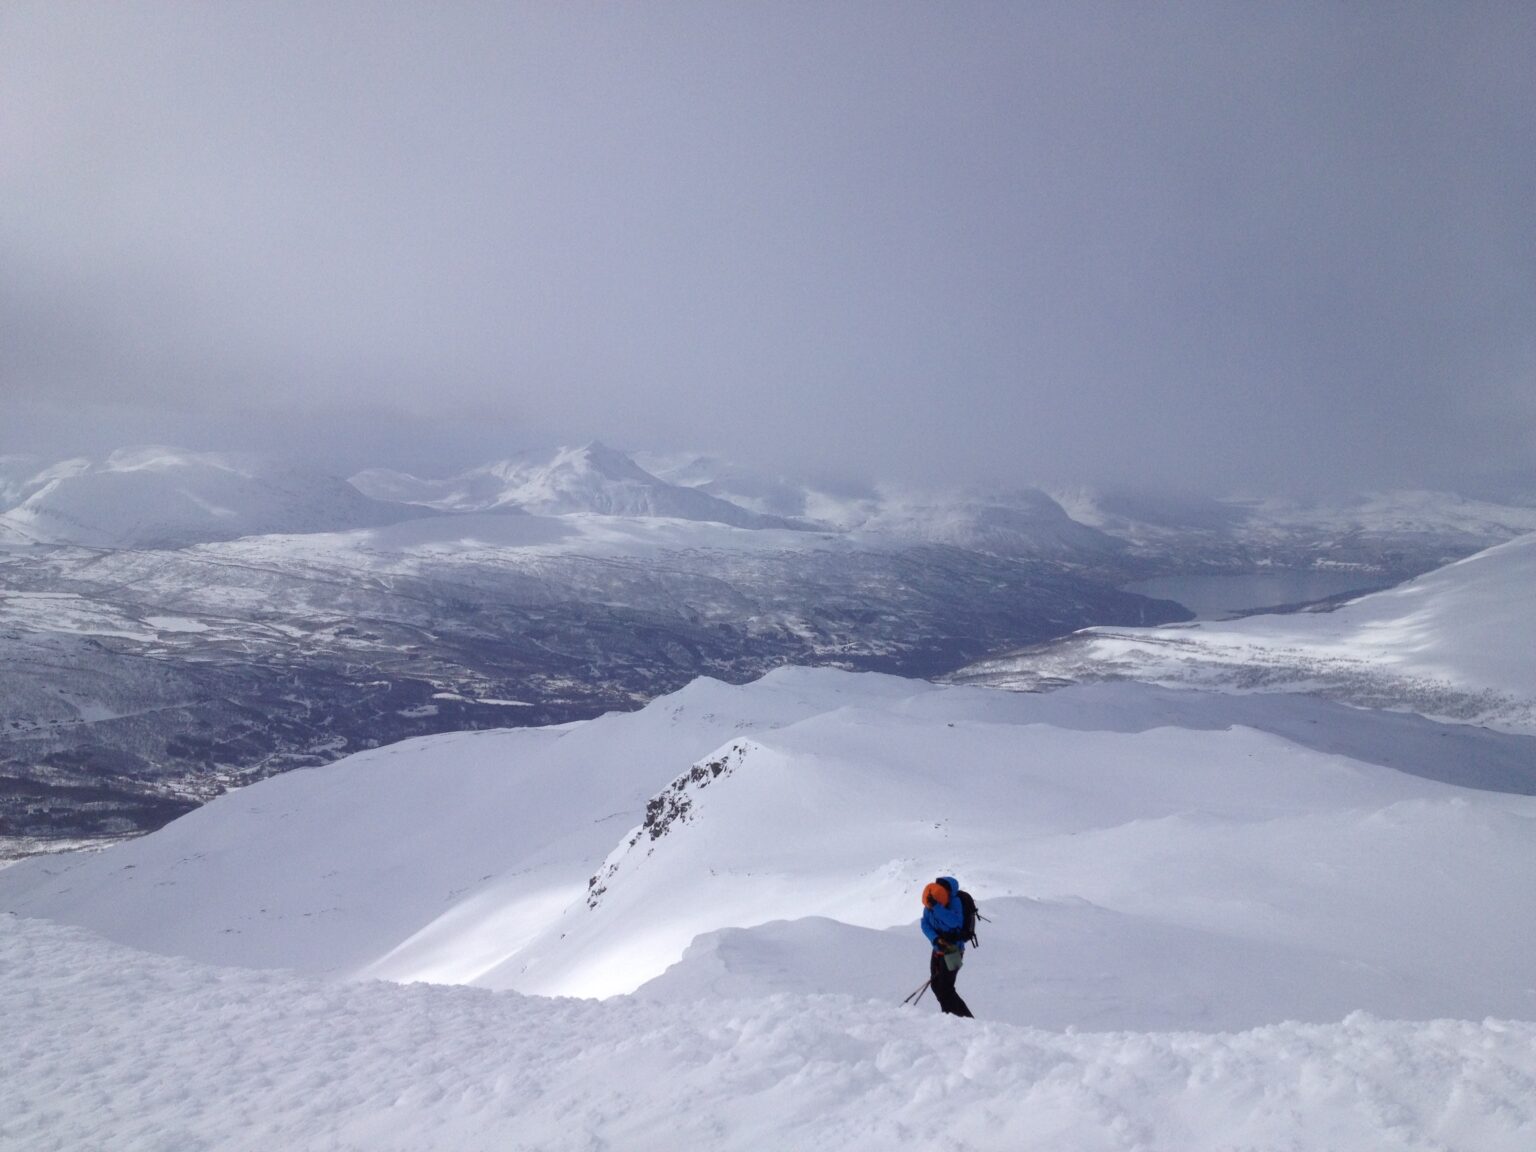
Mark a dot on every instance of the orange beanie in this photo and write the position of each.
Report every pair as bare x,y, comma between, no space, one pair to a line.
935,893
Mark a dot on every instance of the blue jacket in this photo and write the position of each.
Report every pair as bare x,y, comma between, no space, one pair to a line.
947,919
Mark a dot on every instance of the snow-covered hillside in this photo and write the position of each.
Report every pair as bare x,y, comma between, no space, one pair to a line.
1458,643
1213,878
592,478
164,498
1023,522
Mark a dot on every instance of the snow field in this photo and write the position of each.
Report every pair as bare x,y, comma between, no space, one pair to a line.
111,1048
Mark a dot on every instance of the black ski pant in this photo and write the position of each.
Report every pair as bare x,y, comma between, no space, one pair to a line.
943,983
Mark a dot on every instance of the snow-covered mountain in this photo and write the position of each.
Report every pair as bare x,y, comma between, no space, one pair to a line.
165,498
1381,536
592,478
771,495
1219,876
136,680
1457,643
132,680
1022,522
1217,895
1397,533
161,497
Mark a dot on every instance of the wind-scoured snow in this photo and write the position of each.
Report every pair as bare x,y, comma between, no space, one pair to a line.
109,1048
166,498
1458,643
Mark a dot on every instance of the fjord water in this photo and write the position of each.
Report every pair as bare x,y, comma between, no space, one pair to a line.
1221,596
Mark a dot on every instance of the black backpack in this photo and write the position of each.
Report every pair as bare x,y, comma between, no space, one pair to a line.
968,928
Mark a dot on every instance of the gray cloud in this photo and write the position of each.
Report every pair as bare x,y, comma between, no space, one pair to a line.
1216,246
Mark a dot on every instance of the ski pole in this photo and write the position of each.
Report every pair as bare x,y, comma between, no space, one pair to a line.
918,995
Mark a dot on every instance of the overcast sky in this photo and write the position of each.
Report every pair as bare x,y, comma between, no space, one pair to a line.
1226,246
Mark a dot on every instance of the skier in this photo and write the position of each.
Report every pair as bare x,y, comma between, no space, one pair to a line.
944,923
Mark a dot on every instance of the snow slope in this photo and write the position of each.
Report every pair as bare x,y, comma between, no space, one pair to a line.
1457,643
109,1048
165,498
331,869
1243,876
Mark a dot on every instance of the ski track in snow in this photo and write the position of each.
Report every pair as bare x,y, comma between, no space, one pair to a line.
111,1048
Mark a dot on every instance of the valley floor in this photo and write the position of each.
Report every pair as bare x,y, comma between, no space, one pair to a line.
107,1047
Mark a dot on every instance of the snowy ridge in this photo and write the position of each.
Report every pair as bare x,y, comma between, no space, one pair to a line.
298,1064
1458,643
663,811
165,498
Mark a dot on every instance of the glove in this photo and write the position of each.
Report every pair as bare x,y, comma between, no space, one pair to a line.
944,947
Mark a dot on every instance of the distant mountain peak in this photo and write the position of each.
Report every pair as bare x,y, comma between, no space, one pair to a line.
595,456
161,497
587,478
